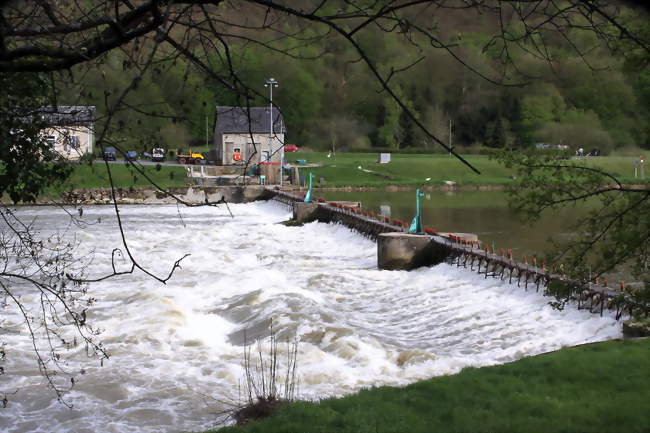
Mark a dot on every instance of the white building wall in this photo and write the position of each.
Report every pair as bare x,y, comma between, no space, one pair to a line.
71,142
244,142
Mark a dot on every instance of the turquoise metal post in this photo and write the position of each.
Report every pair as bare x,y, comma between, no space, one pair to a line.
416,224
308,195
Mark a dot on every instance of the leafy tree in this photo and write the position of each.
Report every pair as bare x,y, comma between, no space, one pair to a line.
542,107
614,234
577,129
390,131
28,164
495,135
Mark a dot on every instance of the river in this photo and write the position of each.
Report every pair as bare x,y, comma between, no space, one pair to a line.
485,213
176,348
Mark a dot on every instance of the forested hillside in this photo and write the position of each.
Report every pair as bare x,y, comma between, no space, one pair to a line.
486,93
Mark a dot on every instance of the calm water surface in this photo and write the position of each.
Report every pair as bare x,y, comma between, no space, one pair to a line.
485,213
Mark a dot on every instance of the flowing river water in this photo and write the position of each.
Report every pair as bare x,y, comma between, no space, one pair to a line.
177,349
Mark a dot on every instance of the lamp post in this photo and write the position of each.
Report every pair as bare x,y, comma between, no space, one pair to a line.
271,83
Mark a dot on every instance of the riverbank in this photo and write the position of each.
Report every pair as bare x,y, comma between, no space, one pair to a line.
364,170
95,175
153,196
344,171
602,387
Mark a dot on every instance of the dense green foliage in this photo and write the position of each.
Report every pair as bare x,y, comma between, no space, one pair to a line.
332,101
600,388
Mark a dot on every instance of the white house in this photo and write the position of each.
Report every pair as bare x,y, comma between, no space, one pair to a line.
70,129
244,134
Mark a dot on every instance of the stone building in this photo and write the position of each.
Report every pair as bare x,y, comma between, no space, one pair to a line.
242,135
70,129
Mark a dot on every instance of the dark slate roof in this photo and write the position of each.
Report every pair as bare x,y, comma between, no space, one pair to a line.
236,120
67,115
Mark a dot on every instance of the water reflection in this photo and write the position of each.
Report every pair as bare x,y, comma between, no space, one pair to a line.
485,213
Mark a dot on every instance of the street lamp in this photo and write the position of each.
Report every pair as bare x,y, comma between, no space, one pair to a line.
271,83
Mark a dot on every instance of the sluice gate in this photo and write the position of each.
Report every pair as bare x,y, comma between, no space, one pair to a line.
433,248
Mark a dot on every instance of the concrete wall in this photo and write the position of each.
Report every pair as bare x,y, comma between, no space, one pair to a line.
194,195
403,251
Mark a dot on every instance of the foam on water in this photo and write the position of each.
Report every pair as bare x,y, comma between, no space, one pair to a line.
176,348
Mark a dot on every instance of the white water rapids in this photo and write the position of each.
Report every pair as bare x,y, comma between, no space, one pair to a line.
176,348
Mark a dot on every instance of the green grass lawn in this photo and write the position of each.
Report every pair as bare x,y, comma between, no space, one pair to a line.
413,170
343,170
602,387
85,175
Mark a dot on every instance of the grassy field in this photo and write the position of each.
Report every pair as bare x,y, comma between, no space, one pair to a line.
124,176
343,170
602,387
413,170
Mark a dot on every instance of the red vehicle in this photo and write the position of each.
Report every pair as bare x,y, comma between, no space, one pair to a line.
290,148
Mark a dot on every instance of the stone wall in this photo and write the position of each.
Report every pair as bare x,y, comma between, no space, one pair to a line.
194,195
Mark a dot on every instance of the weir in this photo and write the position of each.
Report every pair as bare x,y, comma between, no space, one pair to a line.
398,250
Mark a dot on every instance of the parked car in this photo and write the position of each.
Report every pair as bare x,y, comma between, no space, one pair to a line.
290,148
110,154
131,155
158,154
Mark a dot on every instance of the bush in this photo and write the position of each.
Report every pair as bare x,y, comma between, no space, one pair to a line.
266,387
578,129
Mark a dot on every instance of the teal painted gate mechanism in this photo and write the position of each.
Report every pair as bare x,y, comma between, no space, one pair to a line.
416,224
308,195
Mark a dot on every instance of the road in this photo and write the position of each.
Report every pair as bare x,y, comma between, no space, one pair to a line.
147,162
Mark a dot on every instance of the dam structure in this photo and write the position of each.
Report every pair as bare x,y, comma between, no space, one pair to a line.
399,250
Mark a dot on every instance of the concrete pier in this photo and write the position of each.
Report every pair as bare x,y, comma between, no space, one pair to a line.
304,212
403,251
